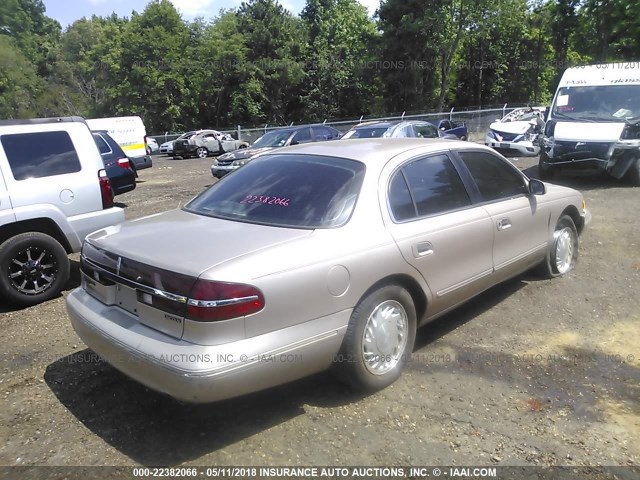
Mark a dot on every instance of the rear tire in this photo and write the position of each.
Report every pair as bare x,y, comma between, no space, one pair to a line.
562,255
34,267
202,152
378,341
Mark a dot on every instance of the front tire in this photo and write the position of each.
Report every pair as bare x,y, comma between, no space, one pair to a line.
563,253
378,341
633,174
34,267
545,171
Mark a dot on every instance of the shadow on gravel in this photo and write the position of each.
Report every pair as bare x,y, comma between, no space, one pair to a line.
470,310
595,386
154,429
581,180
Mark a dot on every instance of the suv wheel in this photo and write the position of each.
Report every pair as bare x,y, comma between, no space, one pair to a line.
34,267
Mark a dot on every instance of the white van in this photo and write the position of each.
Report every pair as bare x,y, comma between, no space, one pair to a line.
594,122
129,133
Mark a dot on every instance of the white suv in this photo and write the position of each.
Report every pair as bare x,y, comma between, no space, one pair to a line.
53,192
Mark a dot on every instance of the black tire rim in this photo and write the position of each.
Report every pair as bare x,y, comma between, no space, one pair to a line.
33,270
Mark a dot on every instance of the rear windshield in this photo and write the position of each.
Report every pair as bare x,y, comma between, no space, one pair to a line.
298,191
371,132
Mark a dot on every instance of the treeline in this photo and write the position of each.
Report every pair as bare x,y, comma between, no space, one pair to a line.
261,64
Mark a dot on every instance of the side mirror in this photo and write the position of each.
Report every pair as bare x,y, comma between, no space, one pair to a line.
536,187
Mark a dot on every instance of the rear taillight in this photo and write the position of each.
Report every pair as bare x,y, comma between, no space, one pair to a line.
105,189
123,162
214,301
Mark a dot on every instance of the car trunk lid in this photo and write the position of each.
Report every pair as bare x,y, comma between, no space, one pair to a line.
149,267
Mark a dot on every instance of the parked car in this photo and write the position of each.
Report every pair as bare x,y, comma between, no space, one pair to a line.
269,141
206,142
519,131
334,253
152,145
119,170
130,133
404,129
53,192
594,123
453,127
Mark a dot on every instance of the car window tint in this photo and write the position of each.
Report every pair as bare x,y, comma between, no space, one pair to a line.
435,185
323,133
494,177
41,154
299,191
302,136
426,131
103,146
400,200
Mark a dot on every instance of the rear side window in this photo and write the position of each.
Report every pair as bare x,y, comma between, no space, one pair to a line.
41,154
494,177
298,191
434,185
102,144
426,131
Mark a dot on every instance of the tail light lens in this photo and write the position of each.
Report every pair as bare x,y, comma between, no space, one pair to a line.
105,189
215,301
123,162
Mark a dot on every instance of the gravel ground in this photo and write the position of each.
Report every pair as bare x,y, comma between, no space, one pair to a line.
530,373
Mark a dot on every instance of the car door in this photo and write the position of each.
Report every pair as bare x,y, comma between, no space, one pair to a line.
520,221
209,140
438,230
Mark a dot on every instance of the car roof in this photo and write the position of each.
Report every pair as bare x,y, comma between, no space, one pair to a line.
375,152
376,124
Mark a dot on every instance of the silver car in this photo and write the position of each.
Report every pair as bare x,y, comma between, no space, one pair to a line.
315,256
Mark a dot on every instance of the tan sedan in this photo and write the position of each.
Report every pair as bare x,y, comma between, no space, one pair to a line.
315,256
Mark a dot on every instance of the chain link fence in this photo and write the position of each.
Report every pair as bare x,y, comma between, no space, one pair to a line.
476,120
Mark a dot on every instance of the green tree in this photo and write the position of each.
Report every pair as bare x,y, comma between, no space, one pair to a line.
152,75
275,42
339,79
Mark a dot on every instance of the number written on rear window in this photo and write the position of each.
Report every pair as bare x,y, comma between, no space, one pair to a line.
283,202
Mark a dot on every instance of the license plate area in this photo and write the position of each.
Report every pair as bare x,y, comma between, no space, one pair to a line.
505,145
126,299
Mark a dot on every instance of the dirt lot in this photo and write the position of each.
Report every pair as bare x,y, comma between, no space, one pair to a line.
532,372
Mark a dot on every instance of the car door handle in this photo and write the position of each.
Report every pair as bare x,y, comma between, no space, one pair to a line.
422,249
504,224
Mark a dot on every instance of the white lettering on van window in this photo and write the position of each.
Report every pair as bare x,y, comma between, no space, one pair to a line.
563,100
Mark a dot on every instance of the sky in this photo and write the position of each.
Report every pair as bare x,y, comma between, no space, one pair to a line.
67,11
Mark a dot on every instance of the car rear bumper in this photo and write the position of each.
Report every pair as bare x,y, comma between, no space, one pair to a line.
201,373
141,163
123,181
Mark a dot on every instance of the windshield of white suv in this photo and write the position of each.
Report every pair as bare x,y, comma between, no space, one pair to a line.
607,103
290,190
